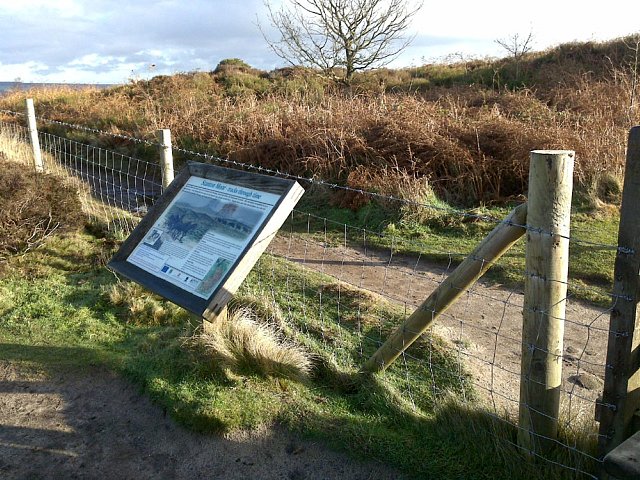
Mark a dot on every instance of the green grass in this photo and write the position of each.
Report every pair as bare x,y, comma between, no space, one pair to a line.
56,312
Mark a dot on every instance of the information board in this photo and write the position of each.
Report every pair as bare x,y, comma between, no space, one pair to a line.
203,236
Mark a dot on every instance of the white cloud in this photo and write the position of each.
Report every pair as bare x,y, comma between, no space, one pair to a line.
56,8
24,71
47,39
93,60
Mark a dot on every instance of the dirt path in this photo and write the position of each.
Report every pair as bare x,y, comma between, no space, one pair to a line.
94,425
484,326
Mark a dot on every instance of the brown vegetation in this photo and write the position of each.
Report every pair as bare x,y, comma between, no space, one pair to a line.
466,127
33,208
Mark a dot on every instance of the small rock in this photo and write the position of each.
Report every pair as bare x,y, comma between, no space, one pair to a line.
586,381
572,350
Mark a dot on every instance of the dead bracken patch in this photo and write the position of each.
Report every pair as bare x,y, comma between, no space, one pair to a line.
467,127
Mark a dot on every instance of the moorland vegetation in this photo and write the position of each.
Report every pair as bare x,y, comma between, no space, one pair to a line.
466,127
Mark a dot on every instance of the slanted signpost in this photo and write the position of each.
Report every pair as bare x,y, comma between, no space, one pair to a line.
204,234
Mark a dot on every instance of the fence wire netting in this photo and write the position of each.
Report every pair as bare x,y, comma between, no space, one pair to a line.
348,286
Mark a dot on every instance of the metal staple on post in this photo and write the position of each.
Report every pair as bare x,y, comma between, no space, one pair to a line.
33,134
547,262
166,156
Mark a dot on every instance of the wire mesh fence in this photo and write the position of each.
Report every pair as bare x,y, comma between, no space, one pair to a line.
346,287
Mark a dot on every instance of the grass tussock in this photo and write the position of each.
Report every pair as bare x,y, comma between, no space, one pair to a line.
15,149
242,343
142,307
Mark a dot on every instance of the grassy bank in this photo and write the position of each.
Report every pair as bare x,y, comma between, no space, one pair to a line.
58,310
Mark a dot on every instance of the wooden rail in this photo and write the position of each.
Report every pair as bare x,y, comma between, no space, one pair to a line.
501,238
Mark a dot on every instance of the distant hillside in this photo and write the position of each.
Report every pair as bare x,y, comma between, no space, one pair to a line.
465,127
22,86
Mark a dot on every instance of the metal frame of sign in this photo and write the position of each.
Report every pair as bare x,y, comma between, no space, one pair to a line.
283,195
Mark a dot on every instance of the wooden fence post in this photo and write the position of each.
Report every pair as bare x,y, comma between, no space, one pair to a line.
33,134
499,240
166,156
545,290
621,394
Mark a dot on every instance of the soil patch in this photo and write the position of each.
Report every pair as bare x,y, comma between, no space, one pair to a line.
95,425
484,327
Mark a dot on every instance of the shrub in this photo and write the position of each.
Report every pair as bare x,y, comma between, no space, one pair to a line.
34,206
232,63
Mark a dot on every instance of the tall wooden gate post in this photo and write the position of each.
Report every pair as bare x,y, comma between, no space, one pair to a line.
547,262
33,135
621,394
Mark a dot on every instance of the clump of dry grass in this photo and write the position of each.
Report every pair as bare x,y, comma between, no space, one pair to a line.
241,343
141,306
14,150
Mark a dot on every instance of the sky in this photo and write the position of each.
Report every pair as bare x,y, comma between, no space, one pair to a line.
114,41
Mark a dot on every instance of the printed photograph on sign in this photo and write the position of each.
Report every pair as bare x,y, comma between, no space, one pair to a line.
154,239
203,231
193,216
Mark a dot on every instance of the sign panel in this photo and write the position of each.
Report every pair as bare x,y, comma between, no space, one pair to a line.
201,238
202,233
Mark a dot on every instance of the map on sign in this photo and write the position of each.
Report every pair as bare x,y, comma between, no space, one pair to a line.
202,233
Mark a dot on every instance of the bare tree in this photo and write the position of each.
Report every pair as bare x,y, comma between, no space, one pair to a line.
349,34
517,46
633,45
